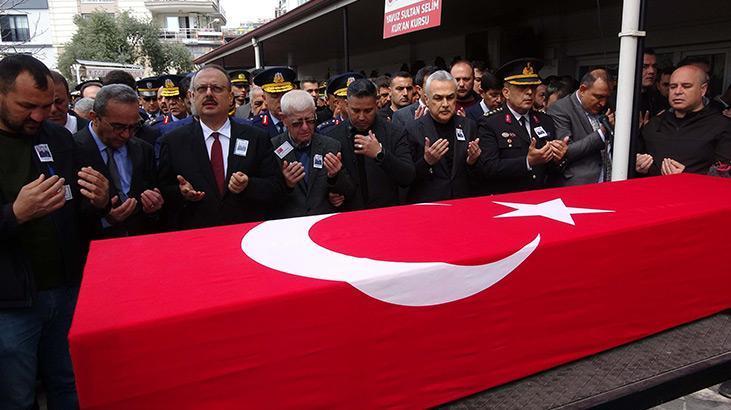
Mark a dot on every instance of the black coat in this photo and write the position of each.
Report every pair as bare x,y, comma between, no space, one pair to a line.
183,152
383,178
698,141
504,143
311,197
144,177
71,221
440,181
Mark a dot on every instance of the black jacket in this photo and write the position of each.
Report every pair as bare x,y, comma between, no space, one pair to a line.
183,152
16,278
442,181
144,177
311,197
383,178
697,141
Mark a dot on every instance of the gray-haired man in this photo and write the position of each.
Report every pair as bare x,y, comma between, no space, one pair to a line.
443,145
109,144
311,163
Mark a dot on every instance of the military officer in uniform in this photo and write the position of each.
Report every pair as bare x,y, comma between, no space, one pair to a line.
240,84
147,90
519,145
338,88
275,82
172,96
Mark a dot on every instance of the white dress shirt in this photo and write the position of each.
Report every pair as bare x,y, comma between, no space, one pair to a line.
224,136
71,123
527,128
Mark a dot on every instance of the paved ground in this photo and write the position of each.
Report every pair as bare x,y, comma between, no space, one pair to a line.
706,399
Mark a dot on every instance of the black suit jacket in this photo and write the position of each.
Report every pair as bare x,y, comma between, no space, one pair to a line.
504,143
439,181
183,152
144,177
311,197
382,179
405,116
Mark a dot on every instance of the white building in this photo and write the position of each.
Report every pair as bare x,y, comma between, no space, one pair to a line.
195,23
50,23
284,6
25,27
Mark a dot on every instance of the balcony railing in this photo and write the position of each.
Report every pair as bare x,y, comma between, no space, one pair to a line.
193,36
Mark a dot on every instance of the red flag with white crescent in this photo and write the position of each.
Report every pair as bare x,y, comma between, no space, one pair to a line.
408,306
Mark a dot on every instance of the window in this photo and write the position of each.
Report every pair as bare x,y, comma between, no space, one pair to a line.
14,28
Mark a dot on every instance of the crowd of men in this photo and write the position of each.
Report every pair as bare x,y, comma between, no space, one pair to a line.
221,147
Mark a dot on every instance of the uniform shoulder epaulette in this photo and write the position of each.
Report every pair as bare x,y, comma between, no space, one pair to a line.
492,112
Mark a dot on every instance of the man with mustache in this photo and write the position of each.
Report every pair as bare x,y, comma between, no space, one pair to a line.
519,145
443,145
216,171
690,136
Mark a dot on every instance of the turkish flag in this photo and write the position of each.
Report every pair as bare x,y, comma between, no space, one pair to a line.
408,306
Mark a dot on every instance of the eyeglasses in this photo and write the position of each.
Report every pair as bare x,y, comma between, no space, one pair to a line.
215,89
148,99
122,127
299,123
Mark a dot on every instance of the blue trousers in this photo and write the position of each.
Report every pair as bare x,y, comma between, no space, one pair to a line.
36,339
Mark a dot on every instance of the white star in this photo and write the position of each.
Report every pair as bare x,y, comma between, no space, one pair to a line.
554,209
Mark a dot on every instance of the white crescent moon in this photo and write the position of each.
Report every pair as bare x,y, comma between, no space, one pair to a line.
285,245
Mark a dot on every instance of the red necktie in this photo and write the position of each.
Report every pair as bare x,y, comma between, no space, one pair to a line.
217,162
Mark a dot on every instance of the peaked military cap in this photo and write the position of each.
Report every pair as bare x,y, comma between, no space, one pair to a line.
147,87
338,85
523,71
239,77
276,79
170,84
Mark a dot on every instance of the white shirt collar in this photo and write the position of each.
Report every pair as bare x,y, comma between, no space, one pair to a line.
275,120
224,131
71,123
484,106
516,115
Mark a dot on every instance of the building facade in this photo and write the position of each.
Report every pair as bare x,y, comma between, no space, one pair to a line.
43,27
25,27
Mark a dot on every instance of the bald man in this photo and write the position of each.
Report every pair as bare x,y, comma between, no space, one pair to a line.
690,136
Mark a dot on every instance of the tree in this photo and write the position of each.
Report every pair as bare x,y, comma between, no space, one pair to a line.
122,39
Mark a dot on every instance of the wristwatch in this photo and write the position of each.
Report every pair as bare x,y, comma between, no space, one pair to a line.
380,155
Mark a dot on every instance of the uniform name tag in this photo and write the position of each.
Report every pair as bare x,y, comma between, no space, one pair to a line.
241,147
317,161
540,132
44,153
283,150
68,195
460,135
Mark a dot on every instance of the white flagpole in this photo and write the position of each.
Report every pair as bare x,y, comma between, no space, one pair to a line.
630,34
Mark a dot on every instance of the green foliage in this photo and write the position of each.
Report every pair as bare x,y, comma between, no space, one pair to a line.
122,39
179,58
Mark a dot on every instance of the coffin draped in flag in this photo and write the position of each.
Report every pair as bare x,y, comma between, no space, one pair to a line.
409,306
